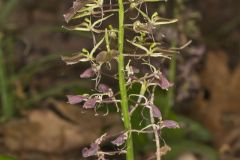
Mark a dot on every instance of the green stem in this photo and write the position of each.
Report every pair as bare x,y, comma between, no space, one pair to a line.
7,109
172,69
171,91
122,83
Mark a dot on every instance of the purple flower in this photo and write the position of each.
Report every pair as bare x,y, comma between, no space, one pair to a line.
197,50
135,70
103,88
156,111
87,152
90,103
163,82
169,124
120,140
88,73
74,99
77,5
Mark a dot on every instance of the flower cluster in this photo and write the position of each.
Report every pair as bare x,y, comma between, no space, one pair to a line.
140,49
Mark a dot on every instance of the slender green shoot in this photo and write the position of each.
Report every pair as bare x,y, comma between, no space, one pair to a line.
7,109
122,83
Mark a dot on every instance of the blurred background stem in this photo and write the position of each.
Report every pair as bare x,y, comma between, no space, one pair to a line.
173,12
7,108
172,78
6,10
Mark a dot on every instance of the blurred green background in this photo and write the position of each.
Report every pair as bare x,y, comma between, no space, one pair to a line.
36,122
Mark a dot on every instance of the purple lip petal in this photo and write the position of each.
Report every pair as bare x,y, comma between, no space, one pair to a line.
169,124
90,103
135,70
69,14
156,111
87,152
77,5
164,83
120,140
74,99
103,88
88,73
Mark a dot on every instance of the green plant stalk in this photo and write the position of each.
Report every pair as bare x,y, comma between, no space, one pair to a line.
172,70
7,109
171,91
122,83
